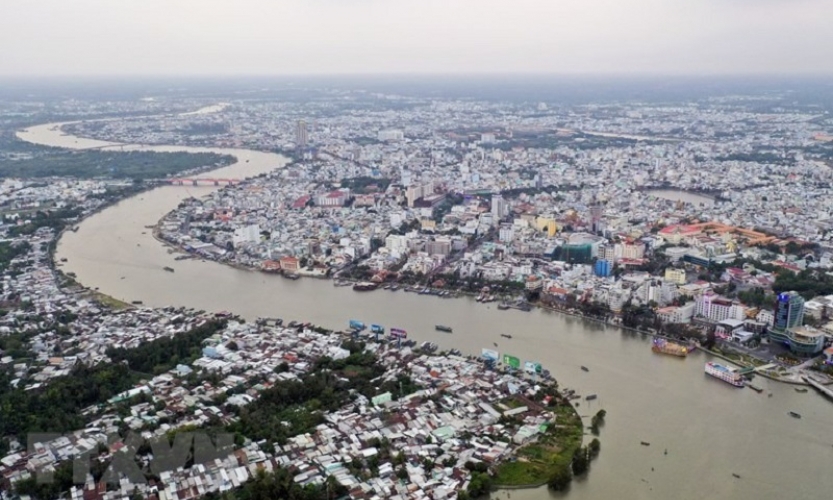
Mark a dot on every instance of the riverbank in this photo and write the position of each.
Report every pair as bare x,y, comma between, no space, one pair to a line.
656,396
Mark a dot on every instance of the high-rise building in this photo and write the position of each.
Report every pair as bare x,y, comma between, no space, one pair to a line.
301,134
498,207
596,211
789,311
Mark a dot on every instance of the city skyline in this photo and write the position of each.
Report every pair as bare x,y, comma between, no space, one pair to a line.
91,37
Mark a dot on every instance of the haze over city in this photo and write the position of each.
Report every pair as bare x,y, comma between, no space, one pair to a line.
411,250
266,37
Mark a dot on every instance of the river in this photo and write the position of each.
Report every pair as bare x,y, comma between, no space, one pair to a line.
710,429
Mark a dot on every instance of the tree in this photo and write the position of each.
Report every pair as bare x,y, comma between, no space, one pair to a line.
594,447
480,484
560,478
581,461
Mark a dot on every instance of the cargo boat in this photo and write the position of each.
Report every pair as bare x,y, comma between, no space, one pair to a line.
442,328
754,387
365,287
663,346
724,373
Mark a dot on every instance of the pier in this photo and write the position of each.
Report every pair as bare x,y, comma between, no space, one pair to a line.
817,386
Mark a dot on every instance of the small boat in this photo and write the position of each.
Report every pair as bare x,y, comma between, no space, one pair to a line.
645,443
292,276
736,476
502,306
137,302
443,328
506,335
754,387
666,452
591,397
794,414
584,368
169,269
800,389
365,287
495,343
122,277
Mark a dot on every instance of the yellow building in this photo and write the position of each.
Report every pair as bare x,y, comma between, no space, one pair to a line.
428,224
548,224
675,275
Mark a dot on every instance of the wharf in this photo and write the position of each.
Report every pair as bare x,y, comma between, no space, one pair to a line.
817,386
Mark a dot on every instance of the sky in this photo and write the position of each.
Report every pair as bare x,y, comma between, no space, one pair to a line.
291,37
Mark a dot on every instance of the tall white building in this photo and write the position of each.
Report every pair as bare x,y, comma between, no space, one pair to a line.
498,207
301,134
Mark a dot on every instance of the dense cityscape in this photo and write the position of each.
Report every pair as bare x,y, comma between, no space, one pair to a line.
704,225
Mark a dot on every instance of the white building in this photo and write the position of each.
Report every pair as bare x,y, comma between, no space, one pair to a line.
390,134
246,234
714,308
499,208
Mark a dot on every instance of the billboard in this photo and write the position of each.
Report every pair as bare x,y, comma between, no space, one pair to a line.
398,333
512,361
532,367
490,354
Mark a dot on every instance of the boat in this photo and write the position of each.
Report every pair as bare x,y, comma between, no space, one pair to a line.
443,328
794,414
292,276
506,335
591,397
365,287
662,346
754,387
800,389
394,288
724,373
645,443
735,475
137,302
584,368
169,269
503,306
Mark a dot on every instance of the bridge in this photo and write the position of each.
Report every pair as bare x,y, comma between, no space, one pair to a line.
205,181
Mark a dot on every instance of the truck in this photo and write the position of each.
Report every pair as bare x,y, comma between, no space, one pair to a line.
357,325
377,328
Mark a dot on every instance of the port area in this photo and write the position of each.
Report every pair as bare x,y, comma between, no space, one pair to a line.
797,374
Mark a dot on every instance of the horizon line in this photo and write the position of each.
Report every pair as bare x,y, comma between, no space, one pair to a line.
589,74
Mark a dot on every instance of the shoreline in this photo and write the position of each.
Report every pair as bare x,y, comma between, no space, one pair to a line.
243,267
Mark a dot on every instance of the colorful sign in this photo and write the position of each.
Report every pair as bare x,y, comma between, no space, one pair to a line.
398,333
532,367
511,361
490,354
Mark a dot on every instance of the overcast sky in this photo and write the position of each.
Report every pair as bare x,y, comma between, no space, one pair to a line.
264,37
